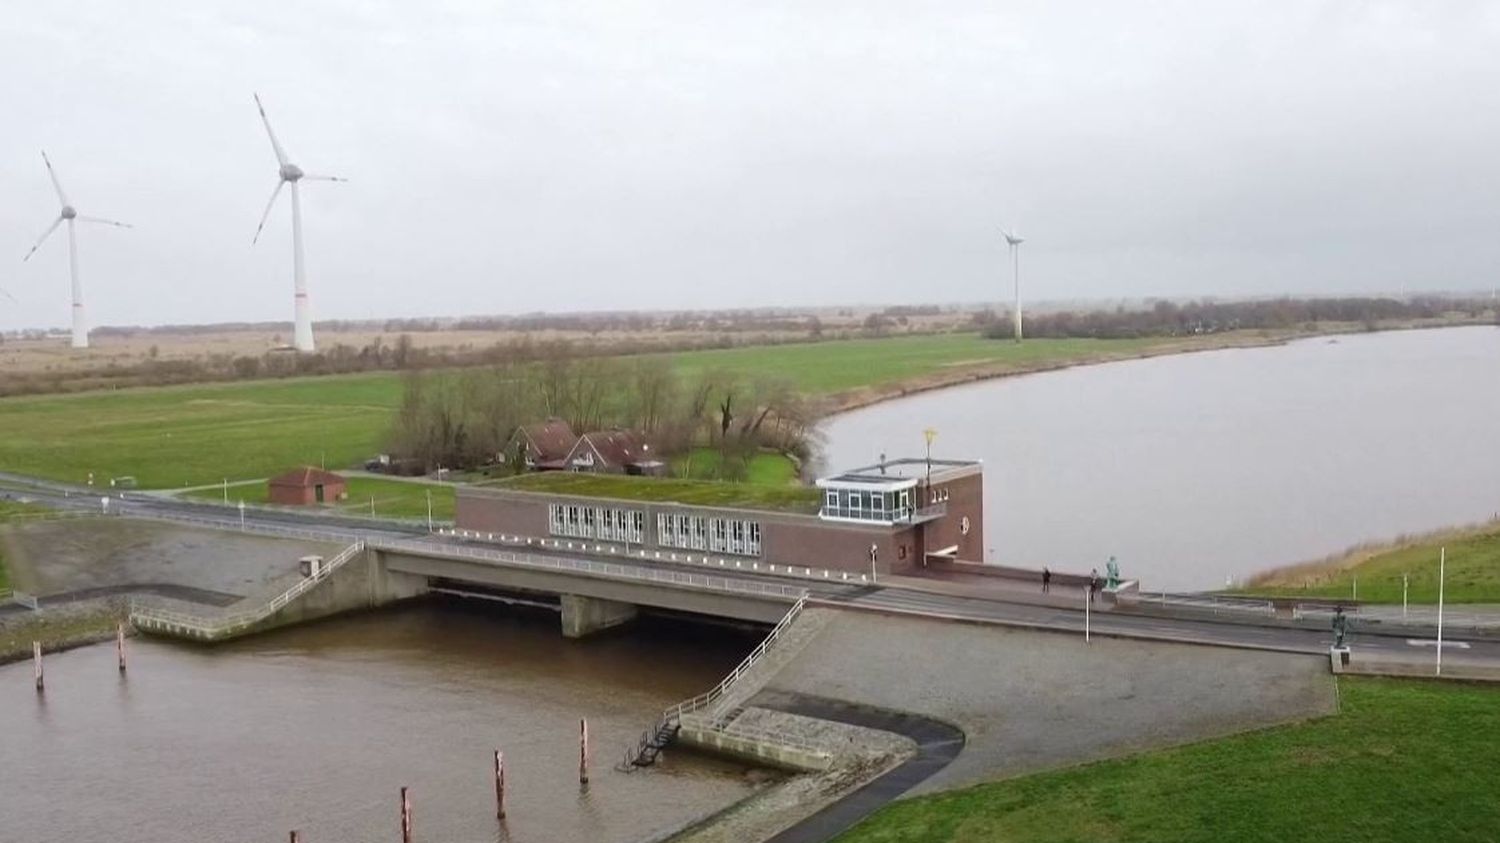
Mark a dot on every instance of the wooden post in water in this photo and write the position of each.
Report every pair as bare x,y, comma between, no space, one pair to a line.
296,837
120,644
36,661
405,817
500,783
583,751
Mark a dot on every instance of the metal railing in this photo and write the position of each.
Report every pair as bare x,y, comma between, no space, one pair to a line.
146,616
703,700
1216,604
322,534
611,570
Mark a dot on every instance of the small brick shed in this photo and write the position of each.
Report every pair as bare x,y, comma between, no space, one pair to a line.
306,486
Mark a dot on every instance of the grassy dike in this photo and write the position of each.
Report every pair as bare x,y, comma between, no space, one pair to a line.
1472,570
1403,760
57,628
172,437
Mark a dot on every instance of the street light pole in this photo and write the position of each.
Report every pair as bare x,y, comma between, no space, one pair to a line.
429,511
1442,563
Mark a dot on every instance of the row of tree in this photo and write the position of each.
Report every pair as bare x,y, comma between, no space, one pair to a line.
1165,318
464,419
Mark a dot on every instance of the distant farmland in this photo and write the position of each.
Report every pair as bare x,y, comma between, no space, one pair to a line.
170,437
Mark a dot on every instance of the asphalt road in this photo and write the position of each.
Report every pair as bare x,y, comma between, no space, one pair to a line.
879,598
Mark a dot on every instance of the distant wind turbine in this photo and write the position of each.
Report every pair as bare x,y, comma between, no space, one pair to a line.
1014,242
69,214
290,173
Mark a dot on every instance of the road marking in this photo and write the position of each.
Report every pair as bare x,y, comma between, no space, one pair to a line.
1429,642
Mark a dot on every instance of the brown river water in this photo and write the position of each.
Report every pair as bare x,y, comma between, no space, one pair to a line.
317,728
1198,469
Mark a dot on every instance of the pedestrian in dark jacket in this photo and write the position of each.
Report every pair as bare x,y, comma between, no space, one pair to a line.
1046,580
1093,584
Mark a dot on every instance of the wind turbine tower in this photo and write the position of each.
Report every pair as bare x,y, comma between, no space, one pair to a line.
1014,244
70,215
289,173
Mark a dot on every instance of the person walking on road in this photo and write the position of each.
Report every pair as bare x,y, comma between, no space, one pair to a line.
1093,584
1046,580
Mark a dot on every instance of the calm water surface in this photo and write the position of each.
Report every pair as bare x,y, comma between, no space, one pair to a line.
317,728
1196,468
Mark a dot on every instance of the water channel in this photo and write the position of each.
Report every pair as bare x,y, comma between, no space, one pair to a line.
317,728
1197,468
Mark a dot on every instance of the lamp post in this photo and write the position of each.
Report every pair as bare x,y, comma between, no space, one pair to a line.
429,510
929,434
1442,562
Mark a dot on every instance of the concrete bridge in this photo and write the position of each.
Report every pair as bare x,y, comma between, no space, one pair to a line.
593,594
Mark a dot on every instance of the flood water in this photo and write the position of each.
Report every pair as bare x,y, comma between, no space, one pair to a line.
1196,468
317,728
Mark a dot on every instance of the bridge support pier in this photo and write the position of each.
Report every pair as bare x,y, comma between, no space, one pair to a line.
584,616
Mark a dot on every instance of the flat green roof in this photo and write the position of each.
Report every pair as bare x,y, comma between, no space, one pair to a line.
789,498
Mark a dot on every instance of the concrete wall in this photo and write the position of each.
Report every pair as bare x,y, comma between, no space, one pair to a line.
362,583
749,607
584,616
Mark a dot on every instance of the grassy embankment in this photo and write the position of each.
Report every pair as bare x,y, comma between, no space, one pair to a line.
392,498
1403,761
55,628
171,437
1472,571
677,490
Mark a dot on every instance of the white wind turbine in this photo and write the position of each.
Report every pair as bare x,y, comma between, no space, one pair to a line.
290,173
1014,243
69,215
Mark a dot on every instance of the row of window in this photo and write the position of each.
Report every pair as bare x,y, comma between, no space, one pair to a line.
718,535
866,505
596,522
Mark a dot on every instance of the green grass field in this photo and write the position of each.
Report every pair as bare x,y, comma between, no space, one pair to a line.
766,469
704,492
393,498
1472,572
1403,761
170,437
829,367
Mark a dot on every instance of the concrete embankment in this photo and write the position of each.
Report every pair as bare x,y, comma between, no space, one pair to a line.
1029,700
1007,701
74,624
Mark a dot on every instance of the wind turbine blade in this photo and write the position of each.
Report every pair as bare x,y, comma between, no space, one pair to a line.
275,144
104,221
323,178
45,234
267,215
61,196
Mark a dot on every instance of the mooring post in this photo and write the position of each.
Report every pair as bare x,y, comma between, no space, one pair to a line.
36,661
499,785
296,838
405,817
583,751
120,644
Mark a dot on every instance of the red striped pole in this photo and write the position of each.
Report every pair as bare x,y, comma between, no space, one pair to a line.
583,751
120,645
499,785
36,661
405,817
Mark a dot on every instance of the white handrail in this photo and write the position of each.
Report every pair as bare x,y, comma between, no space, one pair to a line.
702,700
213,627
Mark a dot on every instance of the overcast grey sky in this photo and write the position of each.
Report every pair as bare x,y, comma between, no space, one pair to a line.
653,154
